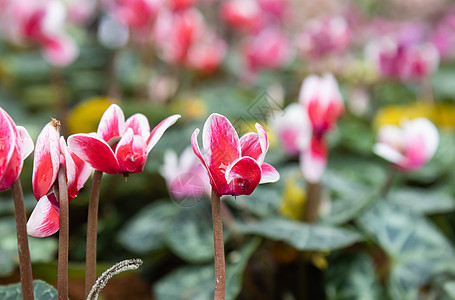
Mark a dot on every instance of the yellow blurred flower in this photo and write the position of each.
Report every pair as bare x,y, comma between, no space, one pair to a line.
319,260
84,118
192,108
293,201
442,115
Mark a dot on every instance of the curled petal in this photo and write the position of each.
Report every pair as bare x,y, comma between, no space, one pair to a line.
95,152
112,123
12,171
70,168
243,175
45,161
131,153
269,173
159,130
263,142
83,170
220,141
44,220
196,149
7,140
25,142
139,124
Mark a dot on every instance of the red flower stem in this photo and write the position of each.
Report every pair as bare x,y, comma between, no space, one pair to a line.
92,224
63,235
310,214
25,264
218,243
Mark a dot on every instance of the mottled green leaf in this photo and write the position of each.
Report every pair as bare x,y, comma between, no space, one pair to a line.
42,290
145,231
311,237
422,200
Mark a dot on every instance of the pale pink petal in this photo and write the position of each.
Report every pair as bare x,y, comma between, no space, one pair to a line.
12,171
313,161
60,51
264,142
139,124
159,130
25,142
388,153
196,149
7,140
130,153
112,123
250,145
44,220
427,132
220,141
269,173
45,161
243,175
95,152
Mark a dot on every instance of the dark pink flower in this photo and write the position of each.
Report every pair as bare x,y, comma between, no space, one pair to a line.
15,146
130,154
235,166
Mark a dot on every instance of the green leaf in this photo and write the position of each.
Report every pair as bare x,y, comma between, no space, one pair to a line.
197,282
43,291
314,237
352,277
190,235
422,200
417,248
145,231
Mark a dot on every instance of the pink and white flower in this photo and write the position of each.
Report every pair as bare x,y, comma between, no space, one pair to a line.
409,146
235,166
51,151
293,128
15,146
130,154
321,98
184,175
243,14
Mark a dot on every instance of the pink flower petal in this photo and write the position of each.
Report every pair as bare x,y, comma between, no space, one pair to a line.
269,173
263,141
243,176
70,168
139,124
196,149
44,220
112,123
45,161
131,153
83,170
25,142
60,51
159,130
13,170
314,160
220,141
250,145
7,140
95,152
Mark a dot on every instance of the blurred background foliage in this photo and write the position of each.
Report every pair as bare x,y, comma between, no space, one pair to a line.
365,245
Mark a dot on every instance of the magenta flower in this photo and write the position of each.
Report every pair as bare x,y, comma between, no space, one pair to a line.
410,146
235,166
130,154
51,152
15,146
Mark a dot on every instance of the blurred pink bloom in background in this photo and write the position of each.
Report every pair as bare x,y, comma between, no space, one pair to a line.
321,98
409,146
15,146
185,176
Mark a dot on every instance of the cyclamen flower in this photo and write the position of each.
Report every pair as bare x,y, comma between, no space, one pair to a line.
410,146
130,154
293,128
235,166
15,146
322,100
243,14
51,152
185,176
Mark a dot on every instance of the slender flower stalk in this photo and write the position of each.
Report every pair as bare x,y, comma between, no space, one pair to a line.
25,264
310,214
218,243
92,224
63,235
